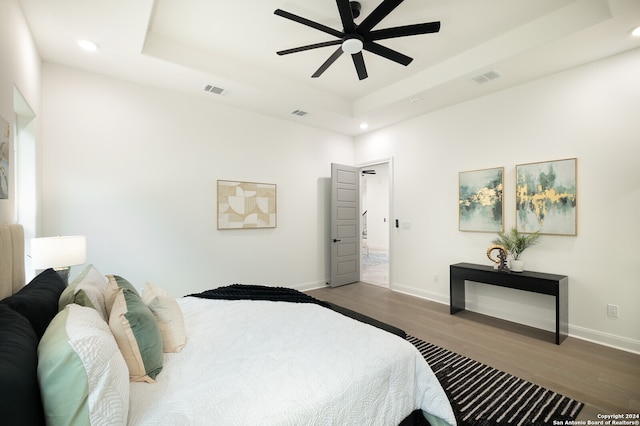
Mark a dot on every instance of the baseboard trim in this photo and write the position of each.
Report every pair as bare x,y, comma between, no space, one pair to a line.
605,339
593,336
434,297
310,286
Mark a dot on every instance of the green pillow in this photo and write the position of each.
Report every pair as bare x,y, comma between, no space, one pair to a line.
114,283
135,328
83,377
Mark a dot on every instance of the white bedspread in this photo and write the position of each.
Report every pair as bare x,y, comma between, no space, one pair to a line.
279,363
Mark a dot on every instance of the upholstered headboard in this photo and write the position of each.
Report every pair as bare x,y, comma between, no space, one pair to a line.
12,277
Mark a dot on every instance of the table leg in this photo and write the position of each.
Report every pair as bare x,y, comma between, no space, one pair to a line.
562,310
456,294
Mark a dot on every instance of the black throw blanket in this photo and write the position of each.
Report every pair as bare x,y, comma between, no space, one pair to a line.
259,292
283,294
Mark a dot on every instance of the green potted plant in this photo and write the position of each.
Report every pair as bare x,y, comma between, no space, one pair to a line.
516,243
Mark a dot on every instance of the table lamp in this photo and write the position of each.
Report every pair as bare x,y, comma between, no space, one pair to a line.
59,253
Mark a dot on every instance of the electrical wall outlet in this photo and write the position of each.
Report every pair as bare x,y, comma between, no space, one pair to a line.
436,278
612,311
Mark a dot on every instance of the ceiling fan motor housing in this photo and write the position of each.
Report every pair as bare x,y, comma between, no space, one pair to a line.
355,8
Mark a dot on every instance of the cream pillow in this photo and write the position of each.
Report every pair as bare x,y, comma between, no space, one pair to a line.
169,317
83,377
138,336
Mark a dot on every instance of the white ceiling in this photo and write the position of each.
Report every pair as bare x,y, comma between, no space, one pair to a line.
184,45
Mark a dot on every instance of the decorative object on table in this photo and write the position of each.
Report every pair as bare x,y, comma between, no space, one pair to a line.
546,197
246,205
59,253
516,242
480,200
5,138
501,261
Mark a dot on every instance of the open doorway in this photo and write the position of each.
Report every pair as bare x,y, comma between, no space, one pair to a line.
375,219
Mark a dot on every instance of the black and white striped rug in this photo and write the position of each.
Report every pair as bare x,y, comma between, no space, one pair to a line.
482,395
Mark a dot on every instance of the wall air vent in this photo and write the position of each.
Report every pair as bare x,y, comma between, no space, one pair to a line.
299,113
486,77
215,90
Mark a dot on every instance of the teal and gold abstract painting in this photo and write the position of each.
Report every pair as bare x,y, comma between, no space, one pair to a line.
546,197
480,200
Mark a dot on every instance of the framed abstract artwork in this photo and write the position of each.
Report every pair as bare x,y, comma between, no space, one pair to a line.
246,205
480,200
547,197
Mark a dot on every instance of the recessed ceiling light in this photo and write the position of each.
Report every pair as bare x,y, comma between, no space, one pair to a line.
636,32
364,126
88,45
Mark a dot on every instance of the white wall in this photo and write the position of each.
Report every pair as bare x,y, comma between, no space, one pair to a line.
19,69
134,169
591,113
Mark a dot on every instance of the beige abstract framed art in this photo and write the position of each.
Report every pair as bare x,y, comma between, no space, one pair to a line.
246,205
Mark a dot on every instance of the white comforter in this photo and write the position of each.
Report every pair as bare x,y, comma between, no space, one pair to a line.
280,363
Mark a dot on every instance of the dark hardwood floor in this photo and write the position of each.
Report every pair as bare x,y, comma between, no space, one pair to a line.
605,379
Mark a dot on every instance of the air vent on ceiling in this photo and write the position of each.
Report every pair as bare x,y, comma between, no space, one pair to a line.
487,76
299,113
214,89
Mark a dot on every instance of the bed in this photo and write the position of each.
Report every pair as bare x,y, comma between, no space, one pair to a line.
102,351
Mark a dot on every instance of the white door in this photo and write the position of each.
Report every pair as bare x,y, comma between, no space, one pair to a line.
345,225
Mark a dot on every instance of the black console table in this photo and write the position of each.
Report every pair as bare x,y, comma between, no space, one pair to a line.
536,282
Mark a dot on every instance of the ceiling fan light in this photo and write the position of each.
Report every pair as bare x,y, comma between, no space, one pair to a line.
352,46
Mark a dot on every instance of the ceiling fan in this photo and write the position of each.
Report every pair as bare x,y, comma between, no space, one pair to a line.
354,38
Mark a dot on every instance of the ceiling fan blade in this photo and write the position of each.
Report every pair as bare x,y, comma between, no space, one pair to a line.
385,52
406,30
309,23
309,47
378,14
358,61
344,8
328,63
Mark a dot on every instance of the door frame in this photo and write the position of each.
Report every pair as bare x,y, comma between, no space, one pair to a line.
389,162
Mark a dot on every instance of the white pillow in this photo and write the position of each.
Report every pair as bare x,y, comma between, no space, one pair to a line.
169,317
82,374
87,289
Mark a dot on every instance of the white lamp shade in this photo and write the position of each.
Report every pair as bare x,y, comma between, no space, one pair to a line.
58,252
